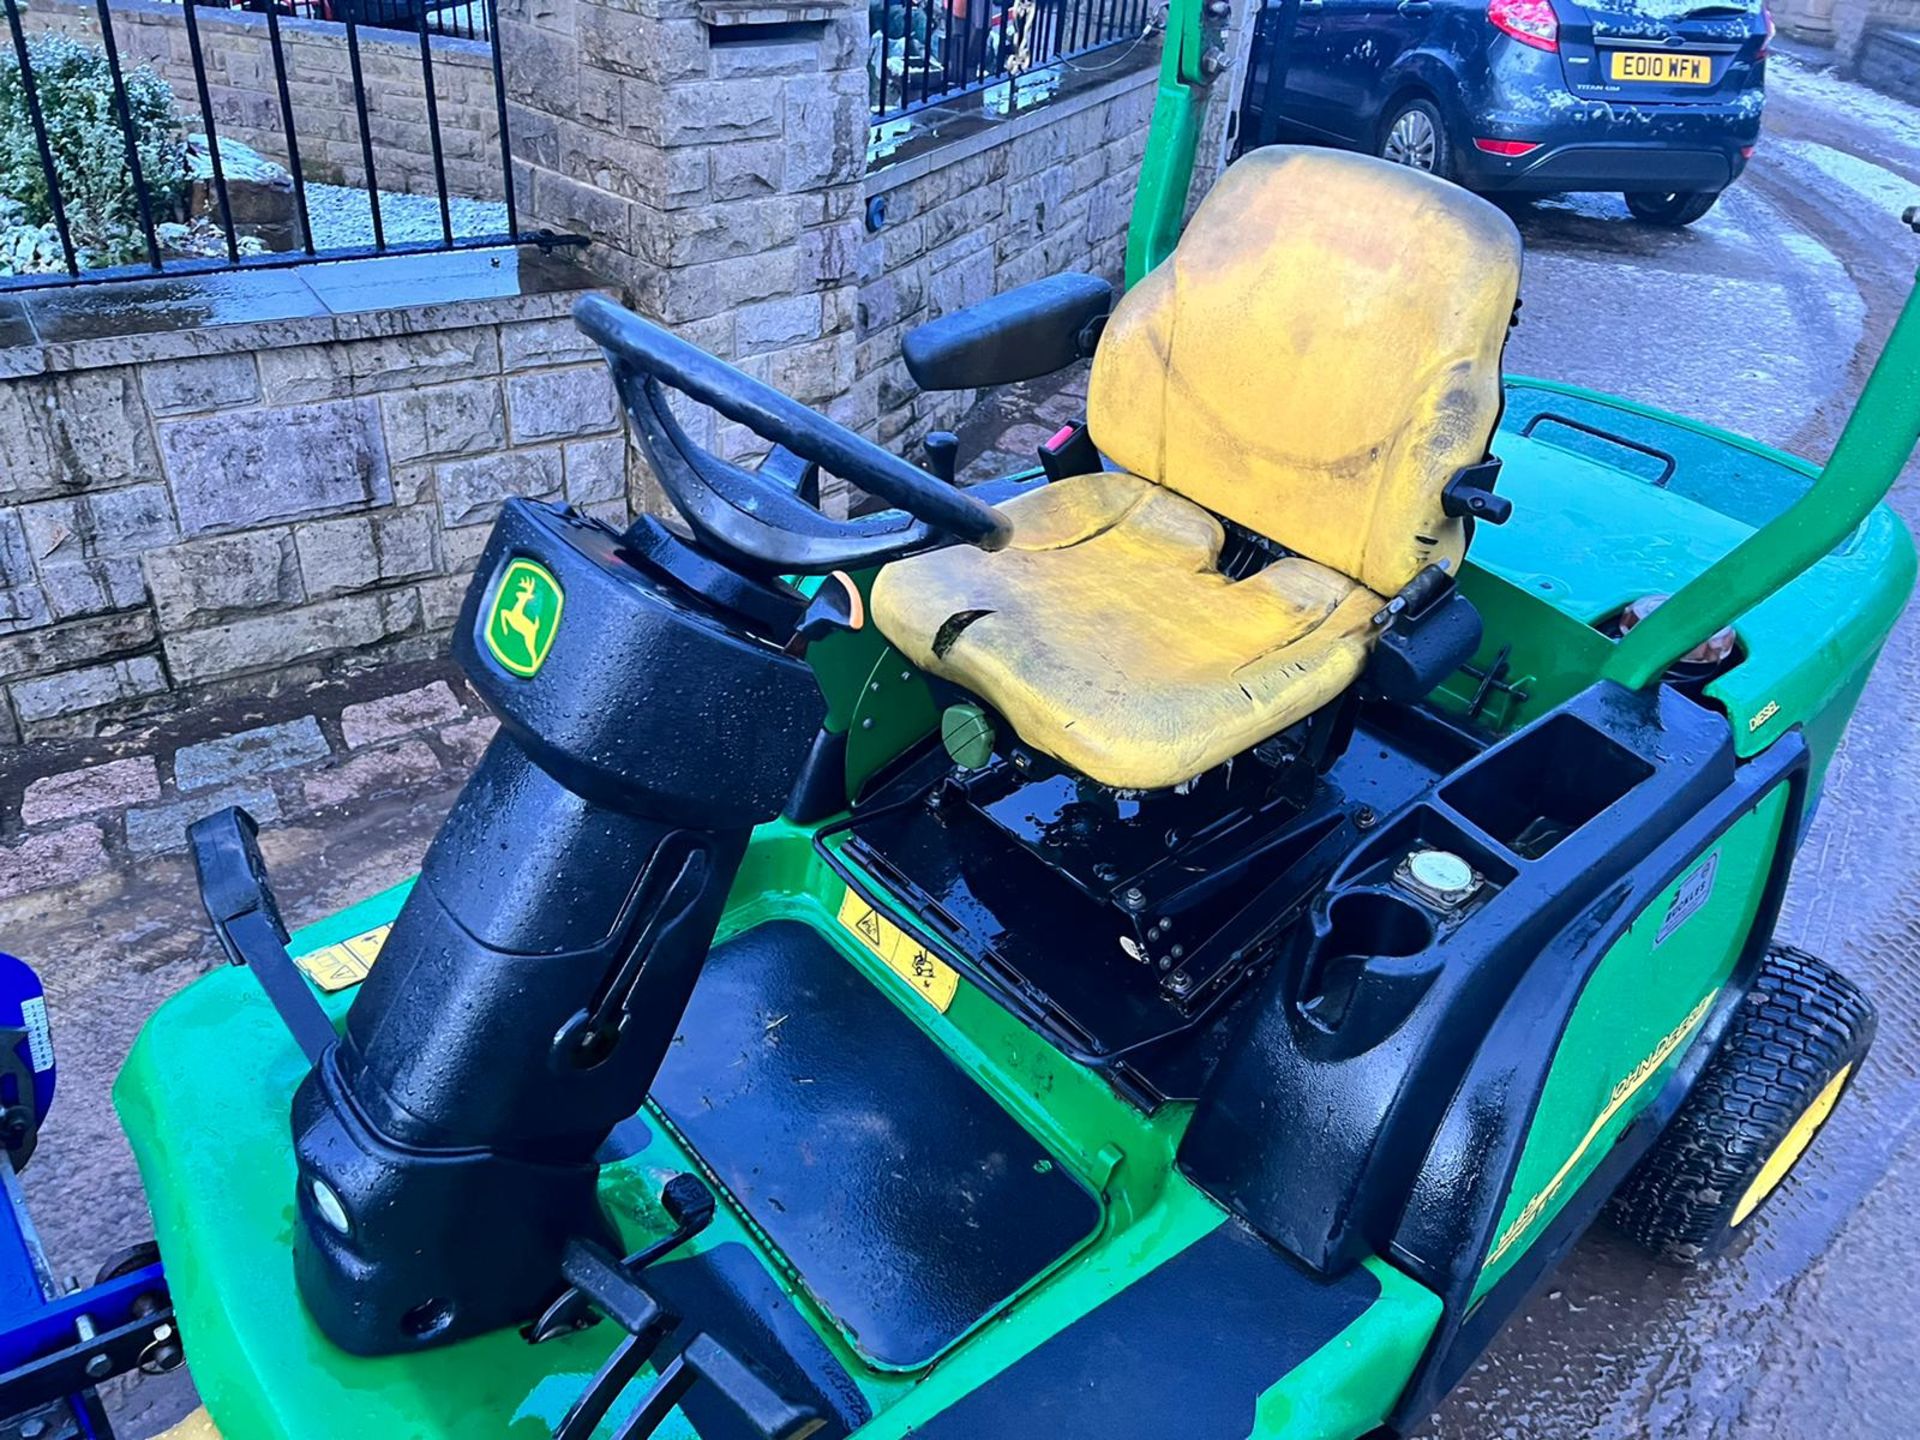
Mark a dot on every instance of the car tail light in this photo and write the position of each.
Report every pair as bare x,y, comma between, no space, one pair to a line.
1766,45
1746,152
1509,148
1531,22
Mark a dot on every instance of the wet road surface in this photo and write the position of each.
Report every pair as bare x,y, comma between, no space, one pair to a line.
1764,318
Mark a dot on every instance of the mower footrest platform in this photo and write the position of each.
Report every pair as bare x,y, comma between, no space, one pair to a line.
908,1200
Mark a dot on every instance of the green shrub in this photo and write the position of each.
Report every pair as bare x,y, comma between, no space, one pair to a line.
76,100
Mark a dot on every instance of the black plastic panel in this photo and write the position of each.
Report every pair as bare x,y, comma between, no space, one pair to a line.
1185,1351
910,1203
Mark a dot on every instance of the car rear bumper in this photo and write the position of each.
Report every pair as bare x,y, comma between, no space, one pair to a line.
1601,167
1594,145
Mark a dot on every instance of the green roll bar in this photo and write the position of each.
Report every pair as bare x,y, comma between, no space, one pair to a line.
1878,439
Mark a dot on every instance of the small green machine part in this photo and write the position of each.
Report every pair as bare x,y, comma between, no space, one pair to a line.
967,1096
967,732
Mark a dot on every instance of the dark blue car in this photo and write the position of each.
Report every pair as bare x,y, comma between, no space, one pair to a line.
1657,99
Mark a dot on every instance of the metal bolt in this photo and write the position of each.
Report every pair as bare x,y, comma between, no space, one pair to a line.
98,1367
867,724
1178,951
32,1428
1179,983
1364,818
1133,897
1212,63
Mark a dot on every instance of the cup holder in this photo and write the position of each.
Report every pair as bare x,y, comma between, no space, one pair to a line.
1368,969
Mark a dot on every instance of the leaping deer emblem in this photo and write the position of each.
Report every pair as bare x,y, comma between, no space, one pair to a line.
526,626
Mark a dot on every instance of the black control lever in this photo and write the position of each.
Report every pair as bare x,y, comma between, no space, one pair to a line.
687,1202
246,920
766,1413
1469,494
943,453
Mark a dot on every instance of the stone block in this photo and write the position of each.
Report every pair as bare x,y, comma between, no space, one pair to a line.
467,741
108,522
206,581
351,622
441,598
391,716
86,429
360,551
16,560
250,752
199,382
459,419
774,324
73,692
597,470
156,829
240,469
529,343
78,642
92,587
562,404
50,860
712,112
371,773
747,168
471,490
112,786
718,232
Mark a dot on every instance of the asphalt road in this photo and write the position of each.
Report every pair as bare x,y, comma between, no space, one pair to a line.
1764,318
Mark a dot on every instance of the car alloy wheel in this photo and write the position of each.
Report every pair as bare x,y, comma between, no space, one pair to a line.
1413,141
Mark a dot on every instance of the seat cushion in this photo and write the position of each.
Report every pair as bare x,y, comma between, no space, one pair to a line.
1317,358
1109,639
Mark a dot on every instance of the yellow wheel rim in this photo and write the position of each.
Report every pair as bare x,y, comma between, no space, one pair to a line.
1790,1149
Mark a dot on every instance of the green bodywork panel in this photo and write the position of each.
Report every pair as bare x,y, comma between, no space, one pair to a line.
1633,1024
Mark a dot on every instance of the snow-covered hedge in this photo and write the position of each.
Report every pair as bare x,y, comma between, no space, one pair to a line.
96,185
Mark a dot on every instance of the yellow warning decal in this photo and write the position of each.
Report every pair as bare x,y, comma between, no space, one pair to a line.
335,967
905,956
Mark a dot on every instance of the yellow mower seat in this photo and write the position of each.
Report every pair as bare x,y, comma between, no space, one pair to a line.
1315,361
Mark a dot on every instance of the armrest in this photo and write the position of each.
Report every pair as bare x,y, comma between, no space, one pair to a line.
1026,332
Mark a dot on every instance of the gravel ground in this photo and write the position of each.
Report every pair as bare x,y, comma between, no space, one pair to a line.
342,218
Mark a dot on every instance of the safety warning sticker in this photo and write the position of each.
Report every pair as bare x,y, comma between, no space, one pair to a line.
905,956
335,967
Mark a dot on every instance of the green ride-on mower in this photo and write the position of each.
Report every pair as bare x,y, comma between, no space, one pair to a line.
1177,943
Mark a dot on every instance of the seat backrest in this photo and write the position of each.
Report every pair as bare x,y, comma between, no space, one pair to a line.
1318,357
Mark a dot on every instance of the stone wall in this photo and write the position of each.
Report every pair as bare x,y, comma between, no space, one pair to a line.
246,103
1049,191
251,506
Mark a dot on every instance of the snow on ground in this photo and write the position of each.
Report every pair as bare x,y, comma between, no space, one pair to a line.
1890,119
1880,188
342,218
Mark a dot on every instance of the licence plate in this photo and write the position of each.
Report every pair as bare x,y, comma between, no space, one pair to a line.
1653,66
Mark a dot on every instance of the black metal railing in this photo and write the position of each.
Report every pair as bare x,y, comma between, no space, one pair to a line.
456,19
923,53
79,203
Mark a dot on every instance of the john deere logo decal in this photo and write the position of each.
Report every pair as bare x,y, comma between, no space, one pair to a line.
525,617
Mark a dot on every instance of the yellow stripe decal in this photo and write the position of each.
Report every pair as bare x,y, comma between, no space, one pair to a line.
1622,1093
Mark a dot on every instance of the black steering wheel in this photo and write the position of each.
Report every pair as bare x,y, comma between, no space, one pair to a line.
754,521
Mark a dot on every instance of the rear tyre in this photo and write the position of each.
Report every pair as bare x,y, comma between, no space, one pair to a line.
1676,208
1414,135
1793,1049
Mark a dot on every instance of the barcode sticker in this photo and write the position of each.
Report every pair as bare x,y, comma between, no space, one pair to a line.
33,1014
